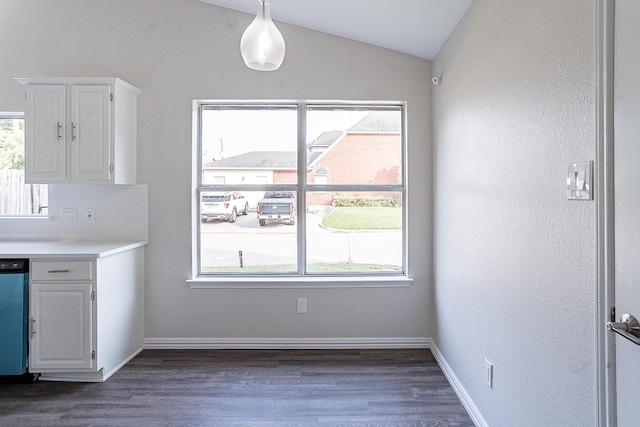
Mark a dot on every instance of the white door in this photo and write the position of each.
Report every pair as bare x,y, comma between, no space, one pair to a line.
62,328
627,203
90,131
45,133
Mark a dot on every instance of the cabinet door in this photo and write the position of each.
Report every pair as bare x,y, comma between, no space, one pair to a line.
90,133
62,327
45,133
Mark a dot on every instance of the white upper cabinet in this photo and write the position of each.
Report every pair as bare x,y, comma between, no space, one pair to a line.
90,133
46,111
80,130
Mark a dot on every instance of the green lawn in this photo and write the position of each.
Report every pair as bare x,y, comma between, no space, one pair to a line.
364,219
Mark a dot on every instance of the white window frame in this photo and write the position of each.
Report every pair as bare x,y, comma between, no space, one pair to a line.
299,278
323,174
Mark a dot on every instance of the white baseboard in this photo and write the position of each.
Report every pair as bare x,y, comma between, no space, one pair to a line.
464,397
87,377
284,343
76,377
117,368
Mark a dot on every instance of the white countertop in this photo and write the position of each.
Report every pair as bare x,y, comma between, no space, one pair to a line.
63,249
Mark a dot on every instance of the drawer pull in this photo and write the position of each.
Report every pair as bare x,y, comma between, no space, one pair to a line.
58,271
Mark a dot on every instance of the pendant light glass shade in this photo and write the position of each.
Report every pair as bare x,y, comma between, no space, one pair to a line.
262,45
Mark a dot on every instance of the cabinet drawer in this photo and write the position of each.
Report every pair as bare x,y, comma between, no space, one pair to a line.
61,270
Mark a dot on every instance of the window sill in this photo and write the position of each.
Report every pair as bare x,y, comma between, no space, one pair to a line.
298,282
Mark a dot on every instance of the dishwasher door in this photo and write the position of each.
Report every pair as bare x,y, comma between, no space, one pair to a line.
14,316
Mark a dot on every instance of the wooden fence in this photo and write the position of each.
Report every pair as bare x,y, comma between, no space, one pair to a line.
16,198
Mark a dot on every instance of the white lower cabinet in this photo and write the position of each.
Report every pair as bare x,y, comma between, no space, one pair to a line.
86,316
61,327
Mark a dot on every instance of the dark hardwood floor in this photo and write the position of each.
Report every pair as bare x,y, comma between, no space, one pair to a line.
229,388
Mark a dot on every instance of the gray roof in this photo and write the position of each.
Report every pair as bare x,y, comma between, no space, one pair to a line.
313,156
257,160
261,160
326,138
378,121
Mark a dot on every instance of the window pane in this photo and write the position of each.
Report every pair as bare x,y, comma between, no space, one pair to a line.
352,186
16,197
354,232
249,145
354,147
245,243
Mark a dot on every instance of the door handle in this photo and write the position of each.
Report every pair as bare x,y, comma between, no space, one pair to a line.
628,327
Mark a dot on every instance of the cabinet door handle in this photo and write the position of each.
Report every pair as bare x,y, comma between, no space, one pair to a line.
33,327
58,271
73,132
59,131
628,327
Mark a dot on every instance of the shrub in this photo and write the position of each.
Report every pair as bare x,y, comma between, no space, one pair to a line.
364,202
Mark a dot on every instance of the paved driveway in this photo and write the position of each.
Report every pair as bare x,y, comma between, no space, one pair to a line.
276,243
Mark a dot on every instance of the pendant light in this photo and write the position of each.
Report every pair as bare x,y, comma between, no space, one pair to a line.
262,45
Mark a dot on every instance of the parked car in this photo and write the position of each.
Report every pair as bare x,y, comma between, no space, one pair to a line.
277,206
223,205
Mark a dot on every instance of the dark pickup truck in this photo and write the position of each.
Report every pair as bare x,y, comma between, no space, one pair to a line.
277,206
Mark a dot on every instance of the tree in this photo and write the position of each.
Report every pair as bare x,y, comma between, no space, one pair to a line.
12,143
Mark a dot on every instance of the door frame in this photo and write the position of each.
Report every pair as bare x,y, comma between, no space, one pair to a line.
605,241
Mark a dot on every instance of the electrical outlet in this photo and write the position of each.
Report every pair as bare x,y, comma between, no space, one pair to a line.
302,305
488,372
90,216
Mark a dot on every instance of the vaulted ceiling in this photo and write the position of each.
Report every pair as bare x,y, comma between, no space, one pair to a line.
416,27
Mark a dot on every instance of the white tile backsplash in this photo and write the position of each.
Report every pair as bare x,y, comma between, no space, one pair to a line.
121,213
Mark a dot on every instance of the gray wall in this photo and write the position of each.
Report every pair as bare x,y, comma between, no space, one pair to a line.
514,260
178,50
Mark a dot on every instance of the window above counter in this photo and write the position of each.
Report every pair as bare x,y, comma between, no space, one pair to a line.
17,199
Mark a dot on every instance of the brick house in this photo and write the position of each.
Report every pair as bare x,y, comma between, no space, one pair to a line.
369,152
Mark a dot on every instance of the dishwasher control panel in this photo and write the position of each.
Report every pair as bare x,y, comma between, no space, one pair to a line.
14,265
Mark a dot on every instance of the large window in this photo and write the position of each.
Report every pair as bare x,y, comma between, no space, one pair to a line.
300,189
16,197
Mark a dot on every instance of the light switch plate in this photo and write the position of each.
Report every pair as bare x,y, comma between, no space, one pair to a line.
580,181
69,215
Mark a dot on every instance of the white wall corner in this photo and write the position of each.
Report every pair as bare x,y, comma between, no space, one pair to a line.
464,397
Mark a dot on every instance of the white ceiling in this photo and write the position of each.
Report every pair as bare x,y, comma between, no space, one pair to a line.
416,27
